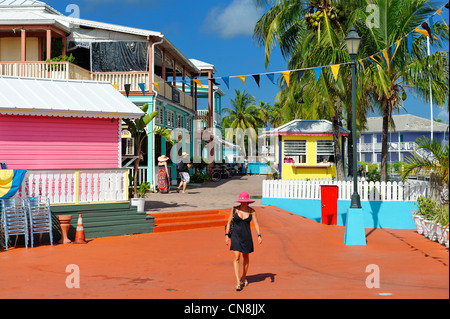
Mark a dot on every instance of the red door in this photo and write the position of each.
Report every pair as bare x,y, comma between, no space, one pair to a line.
329,197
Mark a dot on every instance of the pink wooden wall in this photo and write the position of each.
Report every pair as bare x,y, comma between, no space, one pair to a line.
34,142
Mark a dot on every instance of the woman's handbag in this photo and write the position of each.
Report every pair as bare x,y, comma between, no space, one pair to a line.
231,224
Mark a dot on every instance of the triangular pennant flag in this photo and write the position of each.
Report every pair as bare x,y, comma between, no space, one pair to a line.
439,12
396,46
386,57
116,86
318,71
156,85
425,33
362,64
300,74
257,78
287,76
127,89
226,80
409,42
431,24
372,59
199,83
142,86
242,78
271,77
335,69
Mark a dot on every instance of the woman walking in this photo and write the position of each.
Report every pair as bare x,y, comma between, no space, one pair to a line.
163,175
241,236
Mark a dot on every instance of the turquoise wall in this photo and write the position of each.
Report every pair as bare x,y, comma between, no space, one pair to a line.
393,215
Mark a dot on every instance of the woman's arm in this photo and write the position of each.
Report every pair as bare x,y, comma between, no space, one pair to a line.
227,229
255,220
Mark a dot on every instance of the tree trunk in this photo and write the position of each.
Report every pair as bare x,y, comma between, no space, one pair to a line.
350,144
384,142
337,144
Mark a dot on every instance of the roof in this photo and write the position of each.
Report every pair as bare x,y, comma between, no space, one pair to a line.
66,98
405,123
203,65
298,127
21,3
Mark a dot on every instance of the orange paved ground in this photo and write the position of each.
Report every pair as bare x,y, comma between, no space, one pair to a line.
298,259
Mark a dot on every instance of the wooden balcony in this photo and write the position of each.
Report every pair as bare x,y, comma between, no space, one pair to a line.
69,71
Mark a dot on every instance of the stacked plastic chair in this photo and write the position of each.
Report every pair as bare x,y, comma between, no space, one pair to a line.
14,220
40,217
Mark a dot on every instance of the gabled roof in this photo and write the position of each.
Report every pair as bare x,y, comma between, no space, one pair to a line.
65,98
405,123
299,127
21,3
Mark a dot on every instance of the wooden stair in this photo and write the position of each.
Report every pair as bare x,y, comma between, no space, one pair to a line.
178,221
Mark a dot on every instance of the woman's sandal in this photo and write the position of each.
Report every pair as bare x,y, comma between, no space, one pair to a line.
238,287
244,283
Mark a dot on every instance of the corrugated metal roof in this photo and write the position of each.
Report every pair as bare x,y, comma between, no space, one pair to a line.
31,96
405,123
21,3
309,127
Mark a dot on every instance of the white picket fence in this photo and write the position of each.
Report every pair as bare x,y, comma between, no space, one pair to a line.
368,191
77,186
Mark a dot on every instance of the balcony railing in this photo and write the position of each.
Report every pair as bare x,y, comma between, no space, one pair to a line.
67,70
393,147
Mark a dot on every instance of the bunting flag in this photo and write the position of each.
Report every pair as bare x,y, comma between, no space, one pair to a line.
363,67
142,86
425,33
10,182
440,14
242,78
226,80
257,78
318,72
396,46
385,55
287,76
271,77
300,75
199,83
335,69
409,42
116,86
127,89
156,85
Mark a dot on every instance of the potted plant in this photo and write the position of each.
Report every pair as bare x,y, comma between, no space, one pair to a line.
139,201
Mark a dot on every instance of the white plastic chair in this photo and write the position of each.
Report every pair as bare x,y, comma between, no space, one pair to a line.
14,219
40,217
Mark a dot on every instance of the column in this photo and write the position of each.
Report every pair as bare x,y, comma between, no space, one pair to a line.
210,99
49,44
23,47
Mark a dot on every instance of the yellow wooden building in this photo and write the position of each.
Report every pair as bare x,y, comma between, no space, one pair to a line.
304,149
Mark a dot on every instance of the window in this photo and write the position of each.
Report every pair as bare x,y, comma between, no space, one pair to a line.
189,124
295,152
170,118
325,151
180,121
159,120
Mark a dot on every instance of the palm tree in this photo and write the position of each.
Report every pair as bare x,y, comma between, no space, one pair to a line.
386,82
243,116
434,159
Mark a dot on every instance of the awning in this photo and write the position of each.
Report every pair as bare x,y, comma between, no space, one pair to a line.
65,98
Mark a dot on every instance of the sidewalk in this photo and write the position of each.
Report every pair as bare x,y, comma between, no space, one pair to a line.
299,259
211,195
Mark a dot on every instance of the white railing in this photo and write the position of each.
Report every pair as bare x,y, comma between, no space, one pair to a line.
77,186
122,78
393,147
310,189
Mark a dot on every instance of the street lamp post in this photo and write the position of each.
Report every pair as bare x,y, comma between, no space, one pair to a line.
353,41
354,228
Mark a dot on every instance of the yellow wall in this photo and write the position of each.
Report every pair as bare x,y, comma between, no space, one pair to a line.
10,49
289,172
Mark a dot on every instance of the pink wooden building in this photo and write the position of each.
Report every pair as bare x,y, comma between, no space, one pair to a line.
66,133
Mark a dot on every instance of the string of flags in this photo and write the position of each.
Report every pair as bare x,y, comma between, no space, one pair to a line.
386,55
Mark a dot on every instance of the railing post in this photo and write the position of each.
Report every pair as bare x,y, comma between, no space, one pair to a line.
77,187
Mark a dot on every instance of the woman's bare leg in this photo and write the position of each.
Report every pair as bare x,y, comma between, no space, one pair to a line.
237,256
246,258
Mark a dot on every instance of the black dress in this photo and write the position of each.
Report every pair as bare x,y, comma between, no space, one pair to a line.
241,237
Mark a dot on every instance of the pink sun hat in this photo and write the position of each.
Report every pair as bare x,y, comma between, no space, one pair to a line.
244,198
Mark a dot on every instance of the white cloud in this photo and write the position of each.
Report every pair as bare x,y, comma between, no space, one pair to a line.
238,19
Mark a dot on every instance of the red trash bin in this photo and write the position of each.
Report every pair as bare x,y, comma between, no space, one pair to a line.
329,197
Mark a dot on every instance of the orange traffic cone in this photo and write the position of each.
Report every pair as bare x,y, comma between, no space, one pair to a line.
79,237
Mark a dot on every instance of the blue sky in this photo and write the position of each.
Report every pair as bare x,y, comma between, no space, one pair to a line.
218,32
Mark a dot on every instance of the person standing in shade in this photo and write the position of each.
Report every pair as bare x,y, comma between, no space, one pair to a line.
183,168
241,236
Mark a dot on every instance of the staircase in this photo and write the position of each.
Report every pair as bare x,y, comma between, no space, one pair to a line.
167,222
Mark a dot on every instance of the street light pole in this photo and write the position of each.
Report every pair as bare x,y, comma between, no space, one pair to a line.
356,200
